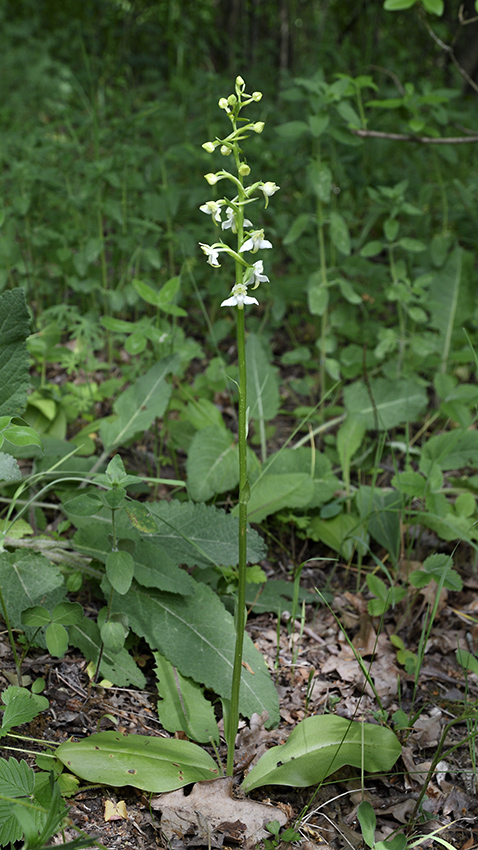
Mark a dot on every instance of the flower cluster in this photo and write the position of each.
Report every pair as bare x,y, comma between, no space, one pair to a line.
229,214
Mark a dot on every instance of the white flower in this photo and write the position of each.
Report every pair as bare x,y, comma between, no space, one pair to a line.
255,242
211,254
239,297
212,208
255,275
231,221
268,189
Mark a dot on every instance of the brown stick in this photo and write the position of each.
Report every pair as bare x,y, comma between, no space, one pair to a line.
422,140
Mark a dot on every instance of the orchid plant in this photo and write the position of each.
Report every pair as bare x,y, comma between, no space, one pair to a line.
228,214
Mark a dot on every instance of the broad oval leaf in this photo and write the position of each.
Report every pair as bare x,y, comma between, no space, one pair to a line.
152,764
320,745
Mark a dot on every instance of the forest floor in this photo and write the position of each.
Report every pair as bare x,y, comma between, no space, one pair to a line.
316,671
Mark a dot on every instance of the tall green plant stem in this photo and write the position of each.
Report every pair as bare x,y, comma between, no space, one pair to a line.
240,613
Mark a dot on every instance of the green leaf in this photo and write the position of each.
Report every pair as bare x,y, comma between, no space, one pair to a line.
87,504
452,450
292,130
56,637
395,402
9,468
263,398
182,706
67,613
382,514
451,300
343,533
319,177
120,570
320,745
138,406
196,634
113,636
21,707
212,464
368,822
270,493
339,233
153,764
118,668
315,465
435,7
28,579
349,439
140,517
14,360
17,781
297,228
22,435
467,660
398,5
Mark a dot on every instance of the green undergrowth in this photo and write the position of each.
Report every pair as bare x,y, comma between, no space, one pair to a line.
119,474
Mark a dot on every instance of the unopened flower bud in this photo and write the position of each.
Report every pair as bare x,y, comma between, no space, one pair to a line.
258,126
211,179
240,81
225,150
244,170
209,147
223,103
232,100
257,96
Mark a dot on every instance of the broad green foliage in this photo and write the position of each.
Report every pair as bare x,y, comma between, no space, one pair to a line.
318,746
14,363
182,706
152,764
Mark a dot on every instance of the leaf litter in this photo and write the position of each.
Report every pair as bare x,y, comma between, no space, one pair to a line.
316,671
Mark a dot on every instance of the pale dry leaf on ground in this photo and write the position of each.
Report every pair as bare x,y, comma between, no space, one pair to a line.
212,815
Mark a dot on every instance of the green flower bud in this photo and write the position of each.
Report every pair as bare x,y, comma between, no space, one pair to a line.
209,147
211,179
223,103
244,170
232,100
240,81
257,96
225,150
258,126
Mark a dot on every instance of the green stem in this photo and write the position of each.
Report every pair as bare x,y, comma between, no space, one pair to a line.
240,615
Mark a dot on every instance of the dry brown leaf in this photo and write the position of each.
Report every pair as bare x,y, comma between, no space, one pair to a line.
211,815
115,811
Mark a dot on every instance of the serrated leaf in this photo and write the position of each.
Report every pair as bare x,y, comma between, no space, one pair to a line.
452,450
9,469
316,466
21,706
318,746
14,360
17,781
137,407
152,764
196,634
212,464
118,668
27,579
182,706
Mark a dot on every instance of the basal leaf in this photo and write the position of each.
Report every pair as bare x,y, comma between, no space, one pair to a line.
196,634
138,406
182,706
17,781
320,745
452,450
14,360
152,764
316,465
21,706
